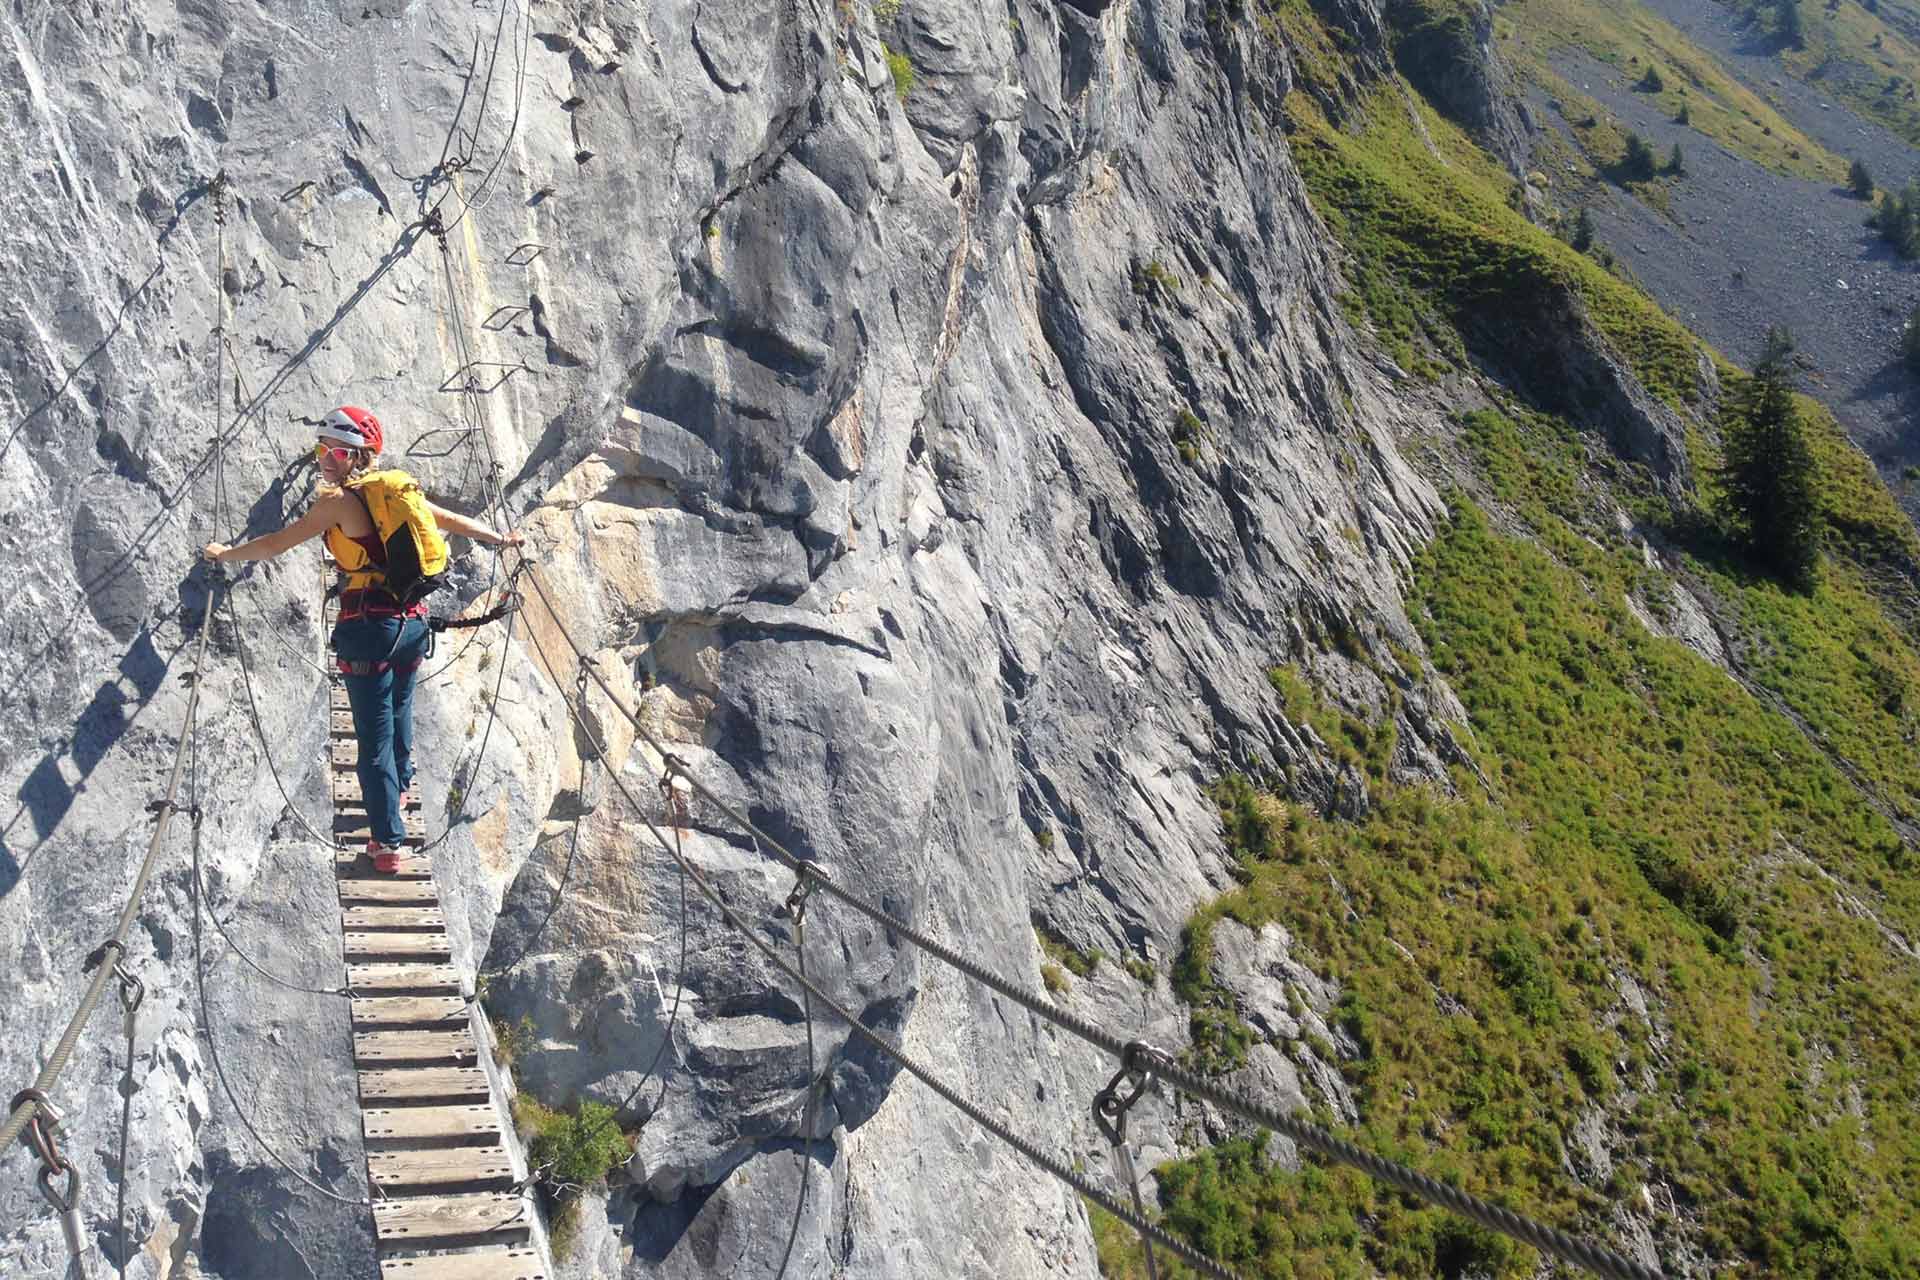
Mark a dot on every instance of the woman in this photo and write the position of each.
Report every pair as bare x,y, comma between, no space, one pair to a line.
378,641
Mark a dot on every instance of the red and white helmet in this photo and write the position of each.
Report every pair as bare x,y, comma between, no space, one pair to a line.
353,427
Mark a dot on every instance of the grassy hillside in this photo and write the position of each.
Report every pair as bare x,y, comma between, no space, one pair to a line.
1656,954
1632,42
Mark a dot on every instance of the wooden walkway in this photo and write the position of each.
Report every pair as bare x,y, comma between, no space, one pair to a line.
438,1159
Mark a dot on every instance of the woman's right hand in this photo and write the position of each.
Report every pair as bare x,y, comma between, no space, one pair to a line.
215,551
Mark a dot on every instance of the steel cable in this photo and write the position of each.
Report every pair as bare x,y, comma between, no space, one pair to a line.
907,1062
1569,1248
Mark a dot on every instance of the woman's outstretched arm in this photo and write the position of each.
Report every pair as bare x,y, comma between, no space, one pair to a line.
318,516
454,522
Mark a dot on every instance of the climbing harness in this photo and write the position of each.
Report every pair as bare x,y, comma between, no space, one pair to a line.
1110,1110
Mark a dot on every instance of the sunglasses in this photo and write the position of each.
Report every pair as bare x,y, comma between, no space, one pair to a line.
339,453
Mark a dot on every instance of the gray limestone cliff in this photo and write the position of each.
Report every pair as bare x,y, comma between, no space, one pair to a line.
939,472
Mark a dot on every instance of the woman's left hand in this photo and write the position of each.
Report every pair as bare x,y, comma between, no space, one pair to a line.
215,551
512,538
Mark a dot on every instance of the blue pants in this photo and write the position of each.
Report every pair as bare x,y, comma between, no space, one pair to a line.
383,711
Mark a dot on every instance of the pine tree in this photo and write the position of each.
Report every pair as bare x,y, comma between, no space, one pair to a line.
1676,163
1683,116
1583,230
1898,220
1860,180
1768,473
1910,341
1791,28
1638,163
1651,82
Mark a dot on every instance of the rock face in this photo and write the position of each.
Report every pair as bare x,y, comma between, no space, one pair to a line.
939,469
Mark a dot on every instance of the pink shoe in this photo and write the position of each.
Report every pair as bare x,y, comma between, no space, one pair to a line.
384,859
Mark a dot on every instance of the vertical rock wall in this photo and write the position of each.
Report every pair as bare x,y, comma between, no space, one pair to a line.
940,475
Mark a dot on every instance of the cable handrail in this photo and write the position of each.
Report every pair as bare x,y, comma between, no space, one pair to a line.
1136,1054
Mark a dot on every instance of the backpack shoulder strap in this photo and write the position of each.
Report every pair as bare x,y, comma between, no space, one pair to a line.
372,523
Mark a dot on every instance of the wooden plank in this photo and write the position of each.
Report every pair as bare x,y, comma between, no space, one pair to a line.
340,721
488,1264
409,946
409,919
354,826
475,1124
407,1011
424,1048
424,1222
346,753
354,864
394,979
346,787
389,892
474,1168
423,1084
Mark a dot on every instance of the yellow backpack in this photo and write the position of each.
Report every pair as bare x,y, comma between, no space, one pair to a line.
415,560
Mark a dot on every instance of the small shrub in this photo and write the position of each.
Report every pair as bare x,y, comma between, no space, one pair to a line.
1054,978
902,68
1063,954
513,1039
886,10
1910,344
1651,82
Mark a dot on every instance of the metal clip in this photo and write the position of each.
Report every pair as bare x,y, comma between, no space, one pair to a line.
1139,1068
795,907
68,1207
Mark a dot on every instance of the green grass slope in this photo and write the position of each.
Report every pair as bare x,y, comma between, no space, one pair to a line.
1671,917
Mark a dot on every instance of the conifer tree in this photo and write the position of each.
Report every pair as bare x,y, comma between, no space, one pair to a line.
1860,180
1638,163
1583,230
1910,341
1767,476
1676,163
1792,30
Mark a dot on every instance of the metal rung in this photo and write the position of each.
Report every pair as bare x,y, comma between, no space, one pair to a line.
466,377
523,254
502,316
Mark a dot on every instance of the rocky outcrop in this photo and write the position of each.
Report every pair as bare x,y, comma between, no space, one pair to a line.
941,474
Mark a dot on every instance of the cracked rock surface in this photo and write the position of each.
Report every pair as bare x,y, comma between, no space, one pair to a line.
939,476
